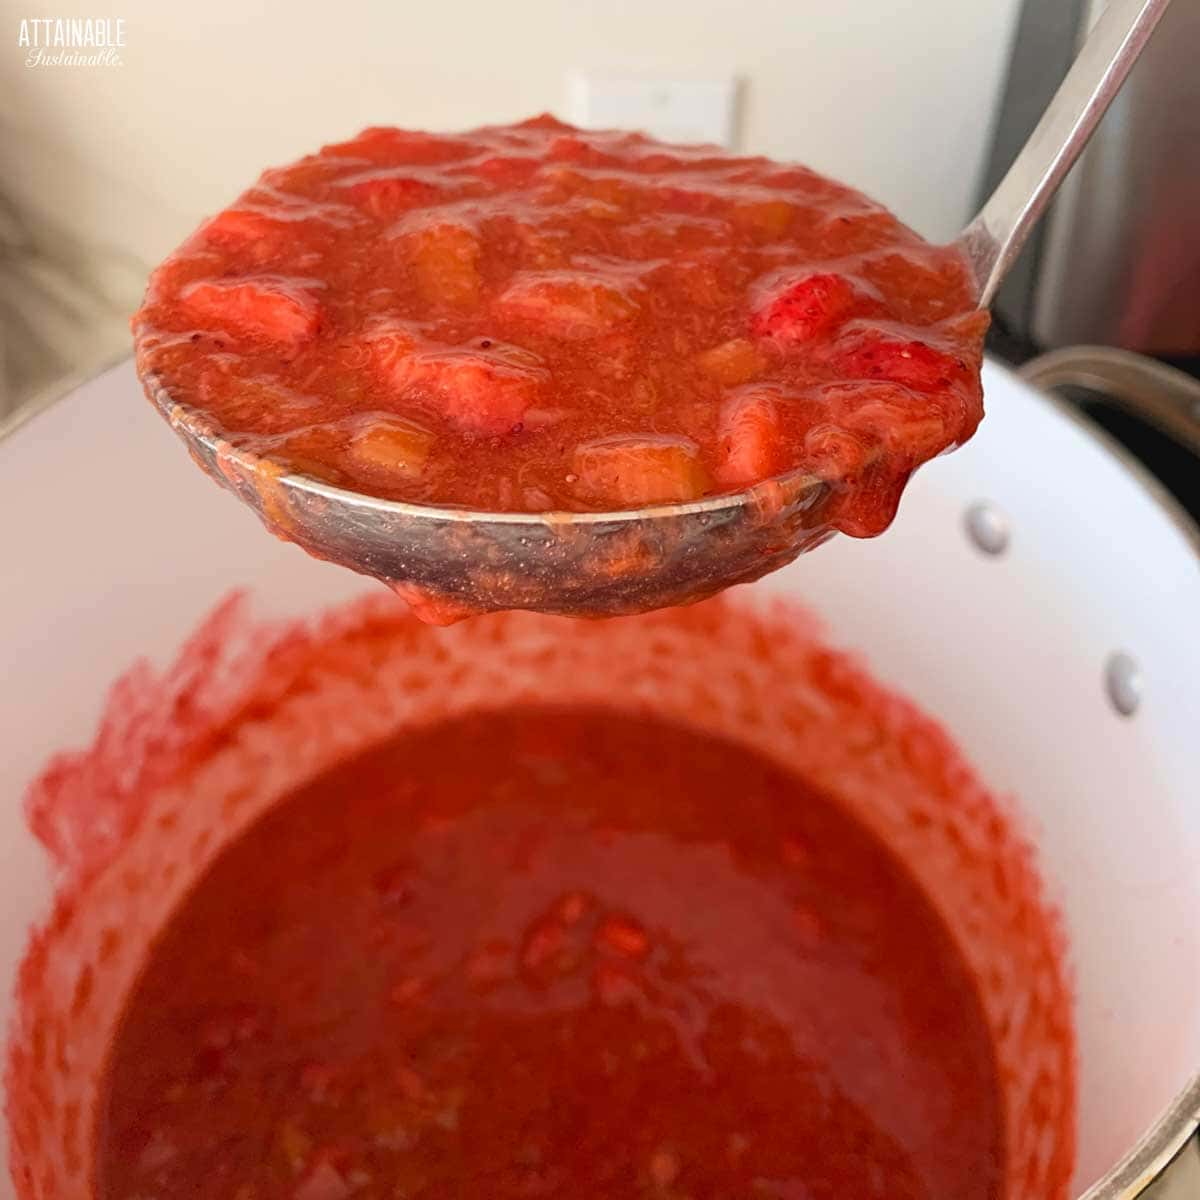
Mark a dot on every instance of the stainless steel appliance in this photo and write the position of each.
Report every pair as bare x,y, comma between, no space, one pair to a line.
1117,260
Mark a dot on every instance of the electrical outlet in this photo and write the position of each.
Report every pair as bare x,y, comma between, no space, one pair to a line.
673,110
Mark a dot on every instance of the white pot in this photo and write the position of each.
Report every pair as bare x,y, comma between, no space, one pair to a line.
113,547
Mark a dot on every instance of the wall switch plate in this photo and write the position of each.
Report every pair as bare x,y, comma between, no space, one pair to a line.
674,110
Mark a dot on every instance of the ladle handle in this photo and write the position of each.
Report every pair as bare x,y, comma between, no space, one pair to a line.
994,238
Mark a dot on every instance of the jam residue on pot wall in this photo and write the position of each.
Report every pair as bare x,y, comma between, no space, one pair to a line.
187,760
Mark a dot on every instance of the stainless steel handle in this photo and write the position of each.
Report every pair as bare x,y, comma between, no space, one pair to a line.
1159,395
995,237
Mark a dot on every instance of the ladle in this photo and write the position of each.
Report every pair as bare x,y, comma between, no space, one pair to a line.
451,562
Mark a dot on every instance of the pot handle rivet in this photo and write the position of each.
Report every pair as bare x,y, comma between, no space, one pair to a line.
987,527
1123,681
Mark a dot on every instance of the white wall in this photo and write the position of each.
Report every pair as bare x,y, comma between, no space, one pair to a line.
892,96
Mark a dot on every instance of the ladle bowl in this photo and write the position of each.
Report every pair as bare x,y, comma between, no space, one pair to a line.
452,562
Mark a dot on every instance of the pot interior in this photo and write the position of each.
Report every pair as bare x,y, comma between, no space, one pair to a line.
128,548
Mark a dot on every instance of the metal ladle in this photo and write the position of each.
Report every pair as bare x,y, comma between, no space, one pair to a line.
451,562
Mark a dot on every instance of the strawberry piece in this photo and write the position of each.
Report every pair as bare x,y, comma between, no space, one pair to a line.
384,145
445,257
629,471
504,172
486,388
749,440
624,936
876,355
253,233
807,309
386,196
486,393
655,161
480,394
266,308
887,415
543,120
573,149
911,436
571,304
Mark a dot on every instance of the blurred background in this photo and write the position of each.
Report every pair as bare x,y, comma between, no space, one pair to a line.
104,168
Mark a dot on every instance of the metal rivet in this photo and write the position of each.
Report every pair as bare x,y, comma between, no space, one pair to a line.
1123,679
987,527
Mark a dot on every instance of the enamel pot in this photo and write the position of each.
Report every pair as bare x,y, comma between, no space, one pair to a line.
1039,593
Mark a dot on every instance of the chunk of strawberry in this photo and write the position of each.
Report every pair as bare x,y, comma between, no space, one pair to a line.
574,149
749,440
253,234
545,121
875,354
571,304
483,388
480,392
271,309
630,470
807,309
908,431
386,195
505,172
445,261
623,935
385,145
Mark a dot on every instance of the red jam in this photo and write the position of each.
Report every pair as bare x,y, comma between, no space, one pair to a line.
541,953
679,906
533,318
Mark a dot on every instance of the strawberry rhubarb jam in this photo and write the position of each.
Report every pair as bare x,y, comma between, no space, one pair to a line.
685,906
535,318
541,953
